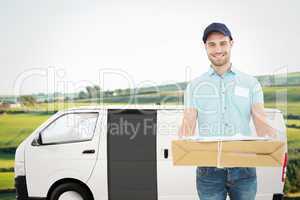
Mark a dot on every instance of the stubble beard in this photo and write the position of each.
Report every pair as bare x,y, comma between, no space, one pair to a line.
220,63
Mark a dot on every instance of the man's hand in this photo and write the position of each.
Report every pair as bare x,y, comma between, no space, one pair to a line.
263,128
188,124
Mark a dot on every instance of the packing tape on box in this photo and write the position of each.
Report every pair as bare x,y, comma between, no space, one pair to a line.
220,144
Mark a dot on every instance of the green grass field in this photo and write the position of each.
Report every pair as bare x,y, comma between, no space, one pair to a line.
54,106
8,196
273,93
293,143
6,160
15,127
6,163
289,108
293,122
6,180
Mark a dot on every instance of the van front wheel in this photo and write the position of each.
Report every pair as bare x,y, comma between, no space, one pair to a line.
70,191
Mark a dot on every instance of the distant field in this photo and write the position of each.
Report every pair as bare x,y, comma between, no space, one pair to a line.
293,139
273,93
6,160
290,107
293,122
6,180
53,106
6,163
290,94
15,127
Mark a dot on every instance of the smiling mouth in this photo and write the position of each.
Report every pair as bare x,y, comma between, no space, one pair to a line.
218,56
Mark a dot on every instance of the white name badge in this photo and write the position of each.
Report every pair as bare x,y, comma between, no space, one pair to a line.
241,91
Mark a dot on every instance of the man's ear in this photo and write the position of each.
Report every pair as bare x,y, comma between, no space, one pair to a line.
231,43
205,46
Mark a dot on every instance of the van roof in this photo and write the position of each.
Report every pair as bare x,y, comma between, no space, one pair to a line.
144,107
131,107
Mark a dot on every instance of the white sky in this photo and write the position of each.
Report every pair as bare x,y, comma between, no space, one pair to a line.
152,41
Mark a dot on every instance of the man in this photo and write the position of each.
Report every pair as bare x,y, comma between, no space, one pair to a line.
222,100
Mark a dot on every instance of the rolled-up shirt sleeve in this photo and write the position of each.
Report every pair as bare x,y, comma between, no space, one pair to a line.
188,97
257,94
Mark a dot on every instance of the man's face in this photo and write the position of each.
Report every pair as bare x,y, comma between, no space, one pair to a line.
218,48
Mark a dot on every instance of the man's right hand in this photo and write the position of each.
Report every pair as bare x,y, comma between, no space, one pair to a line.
188,124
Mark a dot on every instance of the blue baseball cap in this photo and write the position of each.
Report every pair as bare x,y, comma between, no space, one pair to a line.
216,27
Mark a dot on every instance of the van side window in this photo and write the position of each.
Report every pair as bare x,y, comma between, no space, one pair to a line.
71,127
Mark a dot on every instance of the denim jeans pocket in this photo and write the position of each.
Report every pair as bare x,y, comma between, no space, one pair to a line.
201,171
207,171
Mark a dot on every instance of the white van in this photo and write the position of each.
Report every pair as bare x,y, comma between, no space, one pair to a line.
117,153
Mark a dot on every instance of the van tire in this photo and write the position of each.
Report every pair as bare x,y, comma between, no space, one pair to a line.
65,187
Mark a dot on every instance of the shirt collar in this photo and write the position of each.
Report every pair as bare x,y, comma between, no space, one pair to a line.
232,70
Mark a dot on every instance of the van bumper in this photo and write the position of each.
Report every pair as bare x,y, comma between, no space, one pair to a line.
21,189
277,196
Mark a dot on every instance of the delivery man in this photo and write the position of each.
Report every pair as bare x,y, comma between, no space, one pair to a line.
222,100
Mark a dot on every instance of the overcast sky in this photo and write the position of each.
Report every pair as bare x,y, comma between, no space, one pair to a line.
149,42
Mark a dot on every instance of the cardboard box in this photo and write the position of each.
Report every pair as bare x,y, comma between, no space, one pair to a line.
228,153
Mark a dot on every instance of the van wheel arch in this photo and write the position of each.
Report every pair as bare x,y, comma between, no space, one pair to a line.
68,180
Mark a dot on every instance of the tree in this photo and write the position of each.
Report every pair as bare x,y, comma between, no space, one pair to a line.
28,100
97,91
90,92
82,95
118,92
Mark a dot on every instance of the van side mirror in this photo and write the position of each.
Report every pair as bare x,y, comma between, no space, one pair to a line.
37,141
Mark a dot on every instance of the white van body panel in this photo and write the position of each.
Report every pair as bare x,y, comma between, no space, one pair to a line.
46,164
174,182
98,180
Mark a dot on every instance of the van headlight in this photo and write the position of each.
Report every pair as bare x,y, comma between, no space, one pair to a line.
19,169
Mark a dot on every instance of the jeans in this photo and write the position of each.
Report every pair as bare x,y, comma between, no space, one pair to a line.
214,183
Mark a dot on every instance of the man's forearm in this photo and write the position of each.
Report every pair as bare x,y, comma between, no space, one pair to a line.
262,126
189,121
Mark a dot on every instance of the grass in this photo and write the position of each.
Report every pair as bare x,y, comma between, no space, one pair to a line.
293,135
291,92
53,106
289,108
293,122
6,160
6,180
14,128
6,163
8,196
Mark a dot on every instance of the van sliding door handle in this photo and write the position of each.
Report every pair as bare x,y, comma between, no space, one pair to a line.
166,153
89,151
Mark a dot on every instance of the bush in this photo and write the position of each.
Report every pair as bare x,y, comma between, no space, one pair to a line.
292,184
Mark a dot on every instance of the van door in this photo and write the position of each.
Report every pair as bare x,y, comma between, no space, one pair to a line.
68,150
270,179
174,182
131,148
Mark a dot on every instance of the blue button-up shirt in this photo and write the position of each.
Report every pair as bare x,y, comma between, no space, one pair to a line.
223,102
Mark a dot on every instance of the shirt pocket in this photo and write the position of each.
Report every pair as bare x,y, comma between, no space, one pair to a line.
241,103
